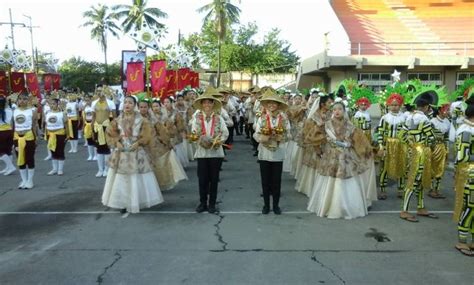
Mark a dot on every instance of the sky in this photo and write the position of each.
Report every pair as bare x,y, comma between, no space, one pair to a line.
302,23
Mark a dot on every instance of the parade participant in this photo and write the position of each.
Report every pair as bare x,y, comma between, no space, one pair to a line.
166,166
313,131
46,108
6,136
271,133
231,112
296,115
72,111
257,111
439,152
130,184
174,122
250,117
417,133
102,110
25,127
391,149
242,125
464,183
56,131
361,100
209,131
345,182
87,115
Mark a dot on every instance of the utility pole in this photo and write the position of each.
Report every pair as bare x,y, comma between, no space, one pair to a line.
12,24
33,61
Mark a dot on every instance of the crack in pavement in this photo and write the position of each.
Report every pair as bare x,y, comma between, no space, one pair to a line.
62,185
315,259
100,278
6,192
219,236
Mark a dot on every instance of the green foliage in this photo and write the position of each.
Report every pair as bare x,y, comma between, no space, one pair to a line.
241,52
85,75
134,15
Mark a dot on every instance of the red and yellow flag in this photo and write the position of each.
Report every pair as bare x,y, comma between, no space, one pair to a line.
56,81
17,81
48,82
135,78
158,78
33,85
184,78
172,82
3,83
195,80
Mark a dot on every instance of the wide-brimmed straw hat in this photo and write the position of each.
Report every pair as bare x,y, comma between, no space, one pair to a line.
209,94
271,96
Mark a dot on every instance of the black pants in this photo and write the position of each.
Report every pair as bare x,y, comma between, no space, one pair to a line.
230,138
240,126
270,173
252,140
208,175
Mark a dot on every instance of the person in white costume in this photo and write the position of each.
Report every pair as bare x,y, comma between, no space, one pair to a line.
346,183
131,184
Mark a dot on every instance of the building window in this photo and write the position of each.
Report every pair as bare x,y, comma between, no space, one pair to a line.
461,76
375,81
427,78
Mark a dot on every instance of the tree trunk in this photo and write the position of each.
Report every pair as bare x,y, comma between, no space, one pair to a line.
218,62
106,78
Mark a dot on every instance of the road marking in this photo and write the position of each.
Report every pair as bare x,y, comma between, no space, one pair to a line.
186,212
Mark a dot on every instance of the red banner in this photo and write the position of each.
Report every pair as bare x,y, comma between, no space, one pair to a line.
17,81
3,83
158,78
48,82
135,81
195,80
56,81
33,85
184,76
172,82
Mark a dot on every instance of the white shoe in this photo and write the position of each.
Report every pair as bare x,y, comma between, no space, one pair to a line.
47,158
60,167
104,174
29,183
55,167
24,178
99,173
10,168
90,158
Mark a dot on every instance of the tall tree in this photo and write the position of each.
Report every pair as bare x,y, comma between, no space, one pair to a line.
101,22
222,14
135,14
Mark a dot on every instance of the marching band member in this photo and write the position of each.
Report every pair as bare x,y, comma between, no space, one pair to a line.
25,127
72,111
56,130
102,110
6,136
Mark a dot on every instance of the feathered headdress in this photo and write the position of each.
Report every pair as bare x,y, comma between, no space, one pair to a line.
362,95
464,91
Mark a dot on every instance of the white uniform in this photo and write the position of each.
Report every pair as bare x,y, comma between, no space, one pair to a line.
23,119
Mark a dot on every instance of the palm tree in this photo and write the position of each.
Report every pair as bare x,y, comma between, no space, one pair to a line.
137,13
101,23
223,14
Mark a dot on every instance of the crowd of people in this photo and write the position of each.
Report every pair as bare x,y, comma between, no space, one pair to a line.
326,141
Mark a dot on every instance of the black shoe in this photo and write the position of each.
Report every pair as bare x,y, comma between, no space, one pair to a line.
201,208
247,137
277,210
213,210
255,153
123,211
265,210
